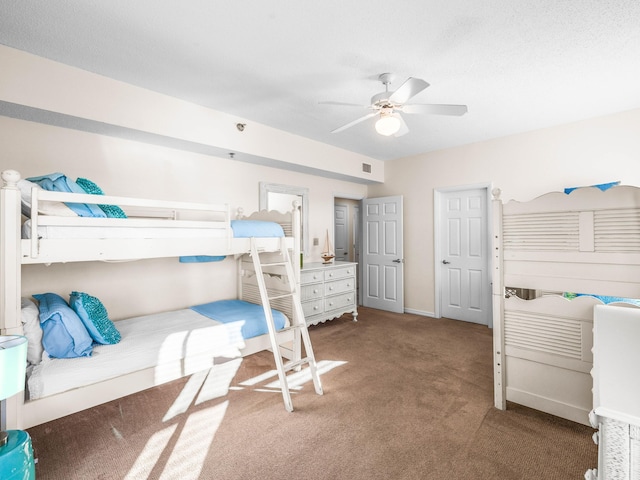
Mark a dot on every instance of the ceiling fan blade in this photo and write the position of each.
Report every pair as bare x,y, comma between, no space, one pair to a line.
437,109
344,104
351,124
412,86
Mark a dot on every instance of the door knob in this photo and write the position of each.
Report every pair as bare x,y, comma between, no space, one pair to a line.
444,262
397,260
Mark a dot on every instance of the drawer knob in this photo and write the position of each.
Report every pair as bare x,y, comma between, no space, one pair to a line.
331,304
315,290
315,308
330,288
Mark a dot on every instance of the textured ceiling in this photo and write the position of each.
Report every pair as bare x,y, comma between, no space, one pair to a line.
519,65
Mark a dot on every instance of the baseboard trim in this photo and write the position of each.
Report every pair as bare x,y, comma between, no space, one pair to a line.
420,312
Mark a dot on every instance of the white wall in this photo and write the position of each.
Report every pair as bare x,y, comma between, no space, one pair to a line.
44,89
124,167
523,166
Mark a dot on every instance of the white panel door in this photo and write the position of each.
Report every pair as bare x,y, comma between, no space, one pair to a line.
341,232
382,254
464,280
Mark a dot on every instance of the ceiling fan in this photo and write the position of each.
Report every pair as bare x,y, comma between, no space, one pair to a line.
388,106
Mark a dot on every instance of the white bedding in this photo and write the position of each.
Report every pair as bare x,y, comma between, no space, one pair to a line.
176,343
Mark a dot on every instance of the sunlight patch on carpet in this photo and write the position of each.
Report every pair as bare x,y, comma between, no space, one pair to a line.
218,380
186,396
296,380
205,385
190,451
150,454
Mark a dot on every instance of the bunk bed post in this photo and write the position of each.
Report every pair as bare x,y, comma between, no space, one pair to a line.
296,262
10,281
499,385
296,226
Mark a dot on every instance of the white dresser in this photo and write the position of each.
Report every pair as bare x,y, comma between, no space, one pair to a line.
328,291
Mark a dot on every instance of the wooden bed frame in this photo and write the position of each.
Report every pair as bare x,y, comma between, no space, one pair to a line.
587,242
15,251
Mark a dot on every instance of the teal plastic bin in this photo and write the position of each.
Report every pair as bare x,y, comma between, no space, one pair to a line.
16,457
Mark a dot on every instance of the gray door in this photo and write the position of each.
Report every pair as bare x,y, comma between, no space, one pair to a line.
382,254
341,232
464,264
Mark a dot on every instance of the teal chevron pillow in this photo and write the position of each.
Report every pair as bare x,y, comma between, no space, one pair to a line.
112,211
95,318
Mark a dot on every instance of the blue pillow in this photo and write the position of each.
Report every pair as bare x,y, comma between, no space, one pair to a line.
63,334
112,211
57,182
94,317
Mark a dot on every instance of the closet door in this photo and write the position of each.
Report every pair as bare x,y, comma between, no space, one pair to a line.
465,291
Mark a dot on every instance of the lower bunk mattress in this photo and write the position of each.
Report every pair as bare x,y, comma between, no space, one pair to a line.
174,344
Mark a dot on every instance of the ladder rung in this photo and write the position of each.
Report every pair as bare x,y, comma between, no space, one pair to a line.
291,365
284,295
274,264
290,327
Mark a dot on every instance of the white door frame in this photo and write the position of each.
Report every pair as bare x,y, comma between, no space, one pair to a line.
437,253
351,196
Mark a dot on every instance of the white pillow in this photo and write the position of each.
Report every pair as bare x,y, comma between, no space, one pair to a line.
32,330
57,209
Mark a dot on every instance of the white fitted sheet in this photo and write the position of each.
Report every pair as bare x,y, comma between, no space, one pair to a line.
176,343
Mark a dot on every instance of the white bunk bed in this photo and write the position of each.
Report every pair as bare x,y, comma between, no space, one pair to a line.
584,242
156,229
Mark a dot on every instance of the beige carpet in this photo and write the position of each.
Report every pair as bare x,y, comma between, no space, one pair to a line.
406,397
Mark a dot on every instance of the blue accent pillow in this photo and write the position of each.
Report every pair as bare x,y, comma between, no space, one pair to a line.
112,211
58,182
95,318
63,334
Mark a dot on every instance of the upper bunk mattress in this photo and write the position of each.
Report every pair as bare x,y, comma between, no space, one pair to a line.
241,229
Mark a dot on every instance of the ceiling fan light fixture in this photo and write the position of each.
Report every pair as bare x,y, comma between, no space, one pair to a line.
388,125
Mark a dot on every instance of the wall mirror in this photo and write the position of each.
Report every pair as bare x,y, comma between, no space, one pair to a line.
274,196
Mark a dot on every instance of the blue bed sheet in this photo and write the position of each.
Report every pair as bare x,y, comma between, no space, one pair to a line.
227,311
241,229
256,228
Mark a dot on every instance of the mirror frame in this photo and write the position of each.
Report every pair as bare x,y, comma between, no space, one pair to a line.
266,188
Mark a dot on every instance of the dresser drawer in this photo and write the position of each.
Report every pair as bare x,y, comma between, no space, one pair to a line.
310,292
313,307
340,301
340,272
311,277
339,286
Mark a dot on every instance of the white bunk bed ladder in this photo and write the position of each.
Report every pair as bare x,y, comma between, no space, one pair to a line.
298,324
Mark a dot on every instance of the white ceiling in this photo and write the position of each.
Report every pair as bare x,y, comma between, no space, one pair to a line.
519,65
